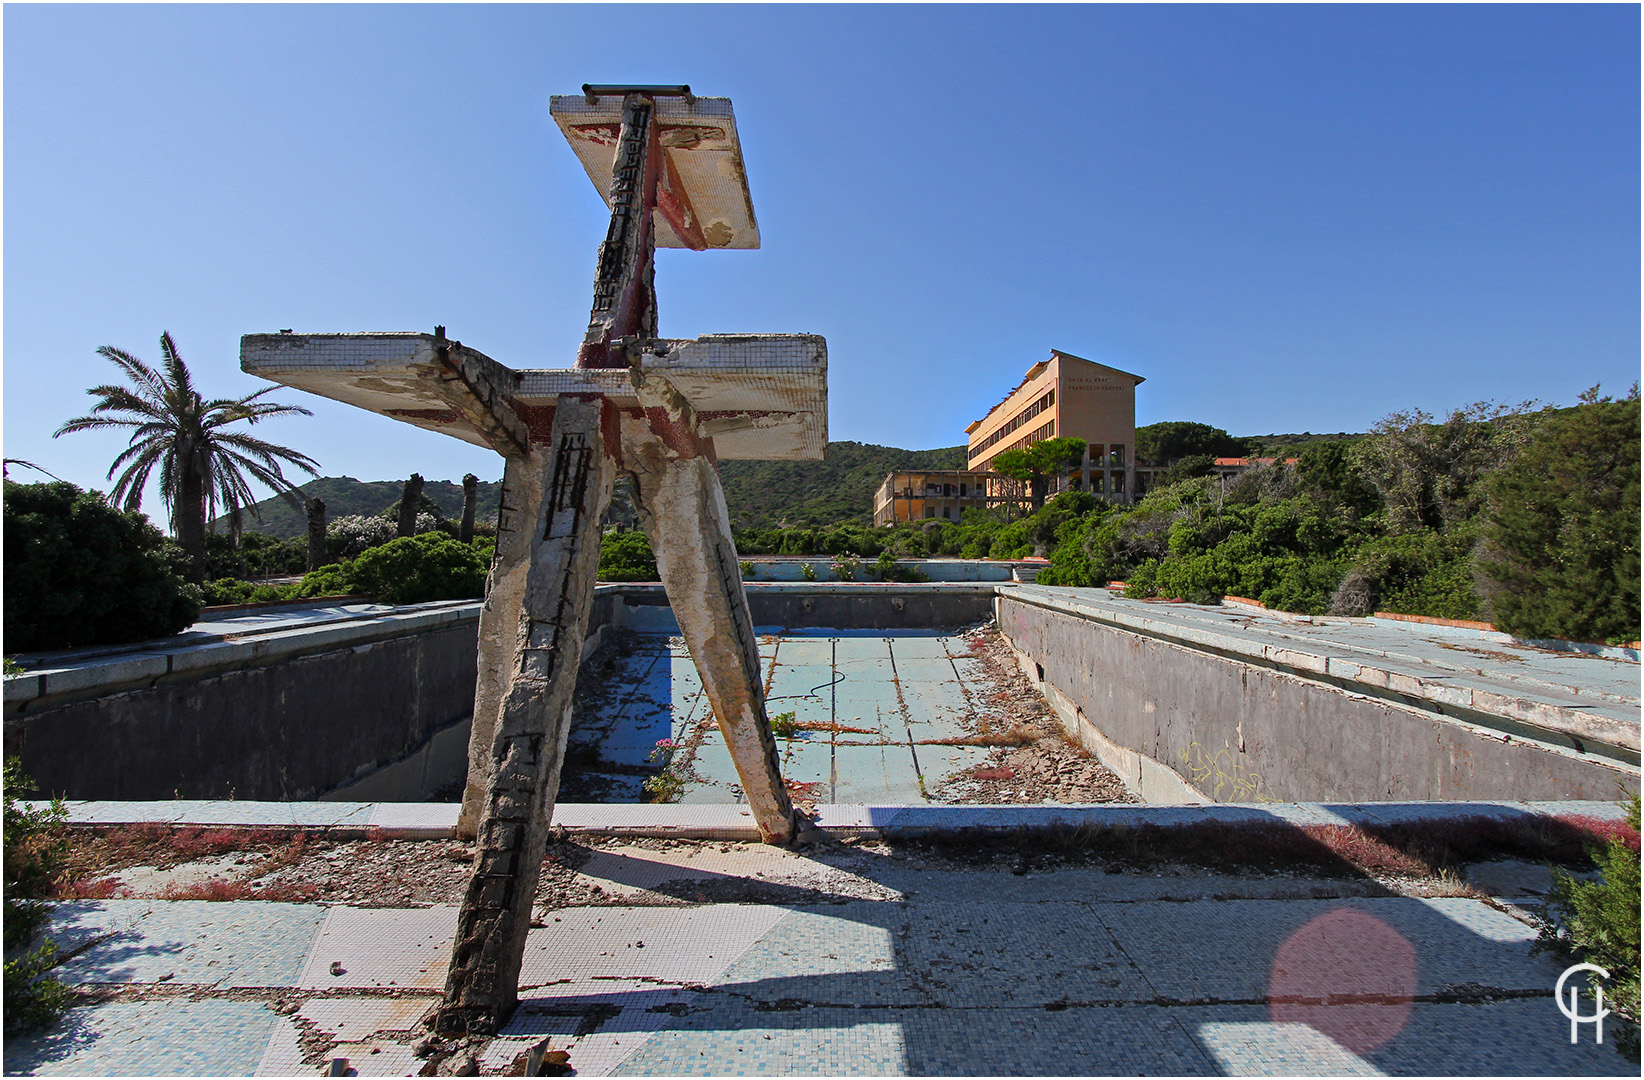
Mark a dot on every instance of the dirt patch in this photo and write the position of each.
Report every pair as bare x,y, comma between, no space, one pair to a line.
1031,759
1427,859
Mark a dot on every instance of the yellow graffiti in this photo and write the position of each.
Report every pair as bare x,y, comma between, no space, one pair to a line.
1222,771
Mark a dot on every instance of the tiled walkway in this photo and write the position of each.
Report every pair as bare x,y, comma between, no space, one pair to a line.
886,966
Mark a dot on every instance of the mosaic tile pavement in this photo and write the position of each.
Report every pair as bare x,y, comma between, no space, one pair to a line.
867,705
937,972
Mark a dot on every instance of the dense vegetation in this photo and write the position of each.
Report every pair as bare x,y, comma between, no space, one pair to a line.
1529,519
80,572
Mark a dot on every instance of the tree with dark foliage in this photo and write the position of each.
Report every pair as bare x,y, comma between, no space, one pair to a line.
1561,532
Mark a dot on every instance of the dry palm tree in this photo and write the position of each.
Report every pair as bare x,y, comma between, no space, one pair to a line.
202,466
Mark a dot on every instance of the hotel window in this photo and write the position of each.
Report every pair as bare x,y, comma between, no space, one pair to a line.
1116,454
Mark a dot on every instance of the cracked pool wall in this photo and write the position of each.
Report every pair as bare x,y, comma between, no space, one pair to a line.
1184,723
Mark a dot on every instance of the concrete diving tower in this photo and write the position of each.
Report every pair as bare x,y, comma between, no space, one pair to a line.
660,411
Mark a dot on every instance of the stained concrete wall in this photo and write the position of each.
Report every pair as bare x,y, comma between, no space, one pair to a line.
288,728
835,605
1181,723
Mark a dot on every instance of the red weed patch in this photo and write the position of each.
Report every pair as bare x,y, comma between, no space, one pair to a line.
92,889
225,891
1600,830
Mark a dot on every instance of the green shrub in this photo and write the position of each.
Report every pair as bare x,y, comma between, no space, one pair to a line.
1597,922
34,848
625,555
886,568
335,579
1423,572
418,569
256,555
79,572
34,998
233,591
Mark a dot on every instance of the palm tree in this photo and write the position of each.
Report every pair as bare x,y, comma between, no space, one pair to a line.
202,466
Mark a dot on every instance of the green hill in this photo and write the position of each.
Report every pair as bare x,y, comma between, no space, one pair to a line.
838,488
344,495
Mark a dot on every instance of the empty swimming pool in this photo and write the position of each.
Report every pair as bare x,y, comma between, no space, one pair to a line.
861,716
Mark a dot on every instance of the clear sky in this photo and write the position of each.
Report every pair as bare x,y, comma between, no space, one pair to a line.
1286,218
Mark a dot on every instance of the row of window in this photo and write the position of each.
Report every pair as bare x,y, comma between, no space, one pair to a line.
1045,401
1040,435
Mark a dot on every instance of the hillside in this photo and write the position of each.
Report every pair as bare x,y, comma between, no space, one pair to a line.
344,495
838,488
1288,445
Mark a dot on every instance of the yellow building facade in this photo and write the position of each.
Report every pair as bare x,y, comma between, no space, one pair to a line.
1068,396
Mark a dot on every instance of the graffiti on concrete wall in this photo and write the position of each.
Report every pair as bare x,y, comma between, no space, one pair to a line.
1222,776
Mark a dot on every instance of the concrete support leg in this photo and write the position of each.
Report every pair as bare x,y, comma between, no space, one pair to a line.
523,480
528,744
682,509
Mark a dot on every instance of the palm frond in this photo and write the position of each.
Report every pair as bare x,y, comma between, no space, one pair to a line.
92,423
181,381
138,449
140,373
268,453
131,483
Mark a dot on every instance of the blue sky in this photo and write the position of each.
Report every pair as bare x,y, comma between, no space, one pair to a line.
1286,218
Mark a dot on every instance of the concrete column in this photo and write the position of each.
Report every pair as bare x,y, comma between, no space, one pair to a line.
523,482
528,744
682,510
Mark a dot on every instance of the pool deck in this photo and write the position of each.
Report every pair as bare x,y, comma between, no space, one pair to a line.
846,959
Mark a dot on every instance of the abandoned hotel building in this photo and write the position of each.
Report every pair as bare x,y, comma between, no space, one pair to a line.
1065,396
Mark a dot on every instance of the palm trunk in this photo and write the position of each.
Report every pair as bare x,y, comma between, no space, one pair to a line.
315,509
188,522
409,499
470,491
